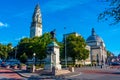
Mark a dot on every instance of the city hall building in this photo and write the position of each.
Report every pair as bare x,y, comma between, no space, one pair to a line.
98,51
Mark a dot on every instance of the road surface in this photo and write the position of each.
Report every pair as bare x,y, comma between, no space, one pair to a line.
97,74
7,74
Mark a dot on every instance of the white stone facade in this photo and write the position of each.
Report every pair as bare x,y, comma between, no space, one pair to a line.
53,57
97,48
36,25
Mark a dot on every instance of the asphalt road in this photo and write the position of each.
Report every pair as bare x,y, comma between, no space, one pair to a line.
96,74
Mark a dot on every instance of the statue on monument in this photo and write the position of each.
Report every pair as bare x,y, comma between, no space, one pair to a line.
53,55
53,34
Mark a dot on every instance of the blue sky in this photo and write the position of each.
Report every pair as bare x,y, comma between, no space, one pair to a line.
76,15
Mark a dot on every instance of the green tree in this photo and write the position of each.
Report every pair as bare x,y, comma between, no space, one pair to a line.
34,45
5,50
10,50
111,13
109,53
45,40
23,58
62,53
76,48
24,46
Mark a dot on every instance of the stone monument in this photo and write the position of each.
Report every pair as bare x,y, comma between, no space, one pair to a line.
53,55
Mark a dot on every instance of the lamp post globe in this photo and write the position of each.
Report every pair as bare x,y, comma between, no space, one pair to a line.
34,54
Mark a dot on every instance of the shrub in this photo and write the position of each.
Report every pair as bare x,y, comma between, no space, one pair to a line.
22,64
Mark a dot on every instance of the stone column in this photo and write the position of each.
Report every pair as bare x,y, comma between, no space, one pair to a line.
53,58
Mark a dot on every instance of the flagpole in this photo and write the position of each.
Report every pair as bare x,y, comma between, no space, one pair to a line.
65,50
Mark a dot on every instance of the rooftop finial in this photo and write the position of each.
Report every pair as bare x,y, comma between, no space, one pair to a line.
37,6
93,32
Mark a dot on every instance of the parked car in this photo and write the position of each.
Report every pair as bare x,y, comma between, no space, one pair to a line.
4,64
0,61
13,62
114,63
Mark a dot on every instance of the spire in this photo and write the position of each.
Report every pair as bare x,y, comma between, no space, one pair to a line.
93,32
36,25
37,6
37,15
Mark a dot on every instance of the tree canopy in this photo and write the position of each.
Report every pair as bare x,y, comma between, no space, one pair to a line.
23,58
112,13
75,46
5,50
34,45
109,53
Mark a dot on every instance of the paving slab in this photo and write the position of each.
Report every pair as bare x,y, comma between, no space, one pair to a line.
27,74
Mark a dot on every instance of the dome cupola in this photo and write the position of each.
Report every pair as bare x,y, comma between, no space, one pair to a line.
94,37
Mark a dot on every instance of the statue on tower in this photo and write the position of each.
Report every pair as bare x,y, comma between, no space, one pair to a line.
53,34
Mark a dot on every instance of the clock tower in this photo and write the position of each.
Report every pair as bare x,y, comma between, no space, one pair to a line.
36,25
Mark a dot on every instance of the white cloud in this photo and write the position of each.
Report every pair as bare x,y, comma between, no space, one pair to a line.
3,24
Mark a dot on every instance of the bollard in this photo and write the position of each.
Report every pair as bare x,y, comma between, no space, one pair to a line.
71,69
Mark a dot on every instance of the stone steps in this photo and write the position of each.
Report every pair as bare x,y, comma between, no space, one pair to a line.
62,72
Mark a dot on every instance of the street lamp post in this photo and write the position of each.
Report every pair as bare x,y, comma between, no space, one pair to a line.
34,54
65,53
33,67
65,49
15,52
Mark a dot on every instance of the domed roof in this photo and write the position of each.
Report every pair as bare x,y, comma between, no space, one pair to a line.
94,37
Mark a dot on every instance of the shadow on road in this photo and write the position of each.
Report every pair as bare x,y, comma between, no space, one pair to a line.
118,73
11,79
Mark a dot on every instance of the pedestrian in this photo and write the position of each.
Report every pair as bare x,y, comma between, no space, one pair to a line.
95,65
101,66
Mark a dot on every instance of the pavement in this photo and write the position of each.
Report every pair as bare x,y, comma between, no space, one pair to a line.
62,76
8,74
37,75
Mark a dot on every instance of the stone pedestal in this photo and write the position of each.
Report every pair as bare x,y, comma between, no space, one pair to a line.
53,58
